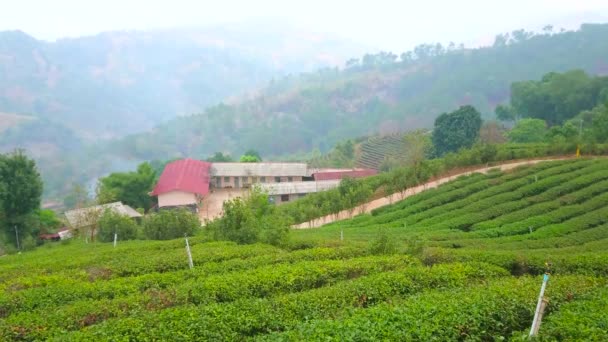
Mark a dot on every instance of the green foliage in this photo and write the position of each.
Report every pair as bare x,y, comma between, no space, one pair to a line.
49,221
528,131
251,219
383,243
130,188
170,224
20,192
251,156
557,97
456,130
111,223
219,157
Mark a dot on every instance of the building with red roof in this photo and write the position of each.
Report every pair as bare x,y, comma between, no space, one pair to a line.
183,183
190,182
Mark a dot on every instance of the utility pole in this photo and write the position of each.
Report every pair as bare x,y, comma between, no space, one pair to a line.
17,238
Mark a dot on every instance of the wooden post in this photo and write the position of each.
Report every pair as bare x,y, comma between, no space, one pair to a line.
540,307
190,262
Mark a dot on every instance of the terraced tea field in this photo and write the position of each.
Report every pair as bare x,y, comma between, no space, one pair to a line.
459,262
376,149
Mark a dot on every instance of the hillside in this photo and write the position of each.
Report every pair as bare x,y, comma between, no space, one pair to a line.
461,261
509,210
123,82
379,93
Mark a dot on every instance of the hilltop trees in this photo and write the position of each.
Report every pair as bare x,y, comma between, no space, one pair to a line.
556,98
20,192
251,156
456,130
219,157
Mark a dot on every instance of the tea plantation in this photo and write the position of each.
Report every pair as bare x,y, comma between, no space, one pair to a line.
459,262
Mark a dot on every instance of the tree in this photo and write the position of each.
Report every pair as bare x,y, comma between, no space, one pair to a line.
599,130
251,219
131,188
353,193
20,192
505,113
77,197
456,130
170,224
48,220
528,131
492,133
219,157
557,97
251,156
111,223
418,146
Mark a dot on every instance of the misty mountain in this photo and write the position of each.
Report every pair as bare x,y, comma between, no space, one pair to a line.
381,92
122,82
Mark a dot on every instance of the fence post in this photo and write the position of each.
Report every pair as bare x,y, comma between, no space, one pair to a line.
115,239
341,234
17,238
190,262
540,307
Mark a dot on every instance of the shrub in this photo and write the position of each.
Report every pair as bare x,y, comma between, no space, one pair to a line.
251,219
111,222
170,224
383,243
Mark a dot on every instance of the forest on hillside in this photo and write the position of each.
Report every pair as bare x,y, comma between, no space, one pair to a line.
378,93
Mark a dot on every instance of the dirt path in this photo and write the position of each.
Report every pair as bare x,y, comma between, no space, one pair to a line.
368,207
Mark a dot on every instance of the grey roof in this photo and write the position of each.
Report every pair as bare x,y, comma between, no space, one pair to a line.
88,216
298,187
259,169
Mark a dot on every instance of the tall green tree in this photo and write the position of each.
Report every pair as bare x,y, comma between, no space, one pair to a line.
456,130
20,192
130,188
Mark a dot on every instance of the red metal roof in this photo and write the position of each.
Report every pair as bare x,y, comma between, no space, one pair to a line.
332,175
186,175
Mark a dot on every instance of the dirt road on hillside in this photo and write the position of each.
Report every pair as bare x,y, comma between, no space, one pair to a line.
368,207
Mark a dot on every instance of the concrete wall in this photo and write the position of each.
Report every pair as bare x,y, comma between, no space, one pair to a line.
175,198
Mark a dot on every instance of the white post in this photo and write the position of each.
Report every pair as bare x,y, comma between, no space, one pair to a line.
535,322
17,237
341,234
190,262
115,238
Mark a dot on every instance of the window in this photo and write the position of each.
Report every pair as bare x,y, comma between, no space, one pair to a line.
284,198
290,179
244,179
226,179
277,179
254,179
262,179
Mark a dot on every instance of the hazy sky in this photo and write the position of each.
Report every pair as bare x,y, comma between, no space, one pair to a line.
393,25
